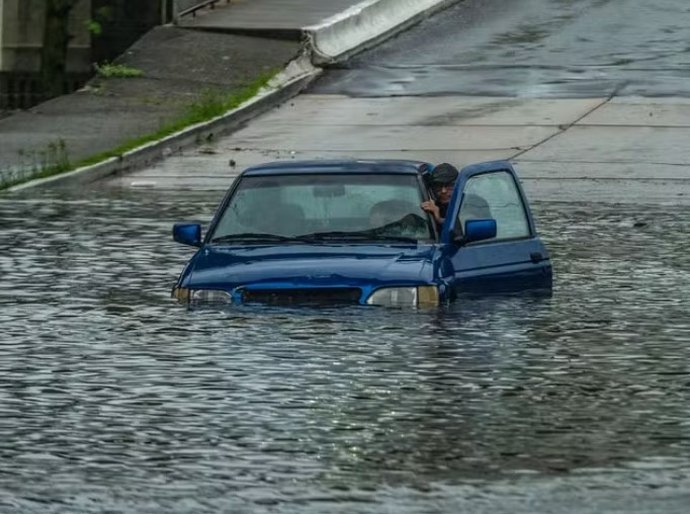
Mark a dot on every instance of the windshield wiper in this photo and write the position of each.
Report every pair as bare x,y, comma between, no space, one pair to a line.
250,236
370,236
354,236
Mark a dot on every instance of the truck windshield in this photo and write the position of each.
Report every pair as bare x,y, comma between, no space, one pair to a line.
355,207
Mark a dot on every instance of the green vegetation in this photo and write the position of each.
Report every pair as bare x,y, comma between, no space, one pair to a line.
119,71
101,16
55,159
50,161
94,27
10,177
210,104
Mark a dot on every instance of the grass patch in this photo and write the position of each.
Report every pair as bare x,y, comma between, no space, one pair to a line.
52,160
11,177
119,71
208,105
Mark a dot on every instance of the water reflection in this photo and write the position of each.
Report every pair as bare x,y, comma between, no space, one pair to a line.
113,397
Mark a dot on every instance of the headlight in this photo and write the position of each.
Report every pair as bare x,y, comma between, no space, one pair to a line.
202,295
420,296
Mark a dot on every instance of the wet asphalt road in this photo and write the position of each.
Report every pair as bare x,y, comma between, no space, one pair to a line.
553,85
531,48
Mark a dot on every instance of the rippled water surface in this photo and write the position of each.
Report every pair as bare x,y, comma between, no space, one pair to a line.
113,398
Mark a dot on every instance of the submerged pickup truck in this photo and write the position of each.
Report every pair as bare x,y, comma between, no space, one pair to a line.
353,232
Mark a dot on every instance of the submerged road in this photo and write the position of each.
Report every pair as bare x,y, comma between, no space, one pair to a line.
114,399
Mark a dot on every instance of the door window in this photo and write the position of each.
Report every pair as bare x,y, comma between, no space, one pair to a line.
495,195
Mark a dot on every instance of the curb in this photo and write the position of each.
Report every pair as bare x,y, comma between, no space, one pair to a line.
288,83
365,25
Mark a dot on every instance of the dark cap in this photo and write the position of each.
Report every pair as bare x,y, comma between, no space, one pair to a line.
443,174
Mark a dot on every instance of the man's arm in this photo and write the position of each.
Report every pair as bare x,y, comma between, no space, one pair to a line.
431,207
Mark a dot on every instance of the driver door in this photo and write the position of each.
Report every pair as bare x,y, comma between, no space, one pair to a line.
514,260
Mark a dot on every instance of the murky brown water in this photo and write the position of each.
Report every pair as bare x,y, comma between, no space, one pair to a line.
113,398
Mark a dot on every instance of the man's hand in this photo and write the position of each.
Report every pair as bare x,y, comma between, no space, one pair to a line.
431,207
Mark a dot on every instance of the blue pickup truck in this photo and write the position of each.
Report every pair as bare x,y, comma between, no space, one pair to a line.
353,232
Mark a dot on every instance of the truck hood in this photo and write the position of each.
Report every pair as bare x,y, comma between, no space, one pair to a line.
310,266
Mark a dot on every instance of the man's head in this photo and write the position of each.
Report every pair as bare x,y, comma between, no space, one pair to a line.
442,180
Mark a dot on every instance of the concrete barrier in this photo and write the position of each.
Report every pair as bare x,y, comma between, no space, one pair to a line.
365,25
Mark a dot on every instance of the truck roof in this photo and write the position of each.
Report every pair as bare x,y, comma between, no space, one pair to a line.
393,166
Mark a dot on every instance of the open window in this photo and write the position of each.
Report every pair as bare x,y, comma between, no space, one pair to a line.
488,191
495,195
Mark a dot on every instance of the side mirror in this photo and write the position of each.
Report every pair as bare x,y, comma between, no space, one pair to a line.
187,233
479,230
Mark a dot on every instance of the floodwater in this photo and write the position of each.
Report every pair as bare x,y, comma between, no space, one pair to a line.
531,48
113,398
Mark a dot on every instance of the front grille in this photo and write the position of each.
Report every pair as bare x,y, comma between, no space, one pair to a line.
312,296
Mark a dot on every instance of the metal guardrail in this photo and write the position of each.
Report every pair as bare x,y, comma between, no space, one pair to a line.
186,7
